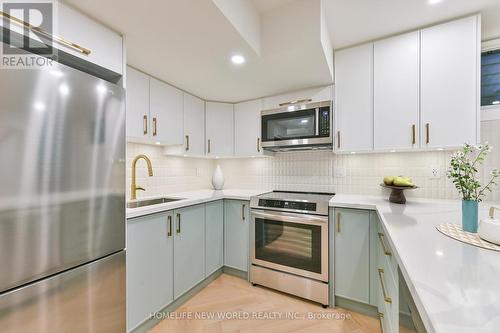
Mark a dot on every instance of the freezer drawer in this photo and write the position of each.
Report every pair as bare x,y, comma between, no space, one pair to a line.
89,298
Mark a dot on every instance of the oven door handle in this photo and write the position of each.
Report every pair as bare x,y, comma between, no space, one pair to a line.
295,218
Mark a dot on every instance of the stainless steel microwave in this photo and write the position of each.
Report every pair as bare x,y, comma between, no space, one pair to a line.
297,127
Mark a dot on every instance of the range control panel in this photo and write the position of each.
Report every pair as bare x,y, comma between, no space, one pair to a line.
292,205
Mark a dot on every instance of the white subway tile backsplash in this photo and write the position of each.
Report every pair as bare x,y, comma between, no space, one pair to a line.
309,171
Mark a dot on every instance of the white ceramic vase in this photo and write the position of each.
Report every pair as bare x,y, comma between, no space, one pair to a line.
218,178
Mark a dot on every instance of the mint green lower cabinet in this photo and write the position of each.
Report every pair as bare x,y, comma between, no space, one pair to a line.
236,234
214,236
374,221
189,248
150,252
352,266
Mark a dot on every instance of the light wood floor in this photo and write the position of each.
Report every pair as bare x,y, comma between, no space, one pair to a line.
232,294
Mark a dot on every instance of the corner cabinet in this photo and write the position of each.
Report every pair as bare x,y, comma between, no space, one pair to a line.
352,254
450,84
150,266
354,99
214,236
236,234
219,129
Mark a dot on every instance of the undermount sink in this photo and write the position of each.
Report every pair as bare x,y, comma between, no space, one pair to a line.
142,203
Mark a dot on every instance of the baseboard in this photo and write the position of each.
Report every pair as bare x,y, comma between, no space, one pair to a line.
363,308
235,272
149,323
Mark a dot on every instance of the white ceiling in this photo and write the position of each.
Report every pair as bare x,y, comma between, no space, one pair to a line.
354,21
188,43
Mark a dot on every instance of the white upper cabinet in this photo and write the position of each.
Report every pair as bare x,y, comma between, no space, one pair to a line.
449,74
313,94
137,97
194,125
396,92
219,129
247,128
166,113
105,45
354,99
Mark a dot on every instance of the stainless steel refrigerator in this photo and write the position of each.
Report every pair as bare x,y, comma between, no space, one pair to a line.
62,202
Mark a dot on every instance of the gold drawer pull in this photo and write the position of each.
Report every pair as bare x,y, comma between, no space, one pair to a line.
380,317
386,298
145,124
187,142
154,126
413,134
381,238
178,223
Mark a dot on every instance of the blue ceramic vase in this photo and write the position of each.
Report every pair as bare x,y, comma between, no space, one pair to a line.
469,215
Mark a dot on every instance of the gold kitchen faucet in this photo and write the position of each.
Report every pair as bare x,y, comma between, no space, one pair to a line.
133,186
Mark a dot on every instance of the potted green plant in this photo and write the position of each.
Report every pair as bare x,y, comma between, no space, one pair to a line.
463,172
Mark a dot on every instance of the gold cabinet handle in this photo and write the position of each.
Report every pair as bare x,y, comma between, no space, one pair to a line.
145,124
258,145
243,212
305,100
381,239
338,223
427,133
387,299
338,139
413,134
178,223
209,146
154,126
38,30
169,234
187,142
380,317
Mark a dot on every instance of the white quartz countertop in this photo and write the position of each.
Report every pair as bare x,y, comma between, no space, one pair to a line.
455,286
191,198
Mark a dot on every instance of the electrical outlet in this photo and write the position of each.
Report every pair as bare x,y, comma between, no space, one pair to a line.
435,172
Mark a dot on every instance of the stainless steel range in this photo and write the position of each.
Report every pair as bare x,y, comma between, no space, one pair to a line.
289,243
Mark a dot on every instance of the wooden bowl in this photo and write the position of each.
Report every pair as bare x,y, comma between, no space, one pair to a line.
397,195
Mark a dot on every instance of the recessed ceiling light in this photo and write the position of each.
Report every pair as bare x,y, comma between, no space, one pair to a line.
238,59
433,2
495,102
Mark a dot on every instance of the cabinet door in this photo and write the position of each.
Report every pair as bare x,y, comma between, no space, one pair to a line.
352,238
194,125
166,112
214,236
319,94
137,104
189,248
105,45
236,234
354,99
247,128
449,92
149,266
219,129
396,92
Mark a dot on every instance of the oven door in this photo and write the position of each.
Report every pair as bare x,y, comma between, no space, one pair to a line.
288,242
